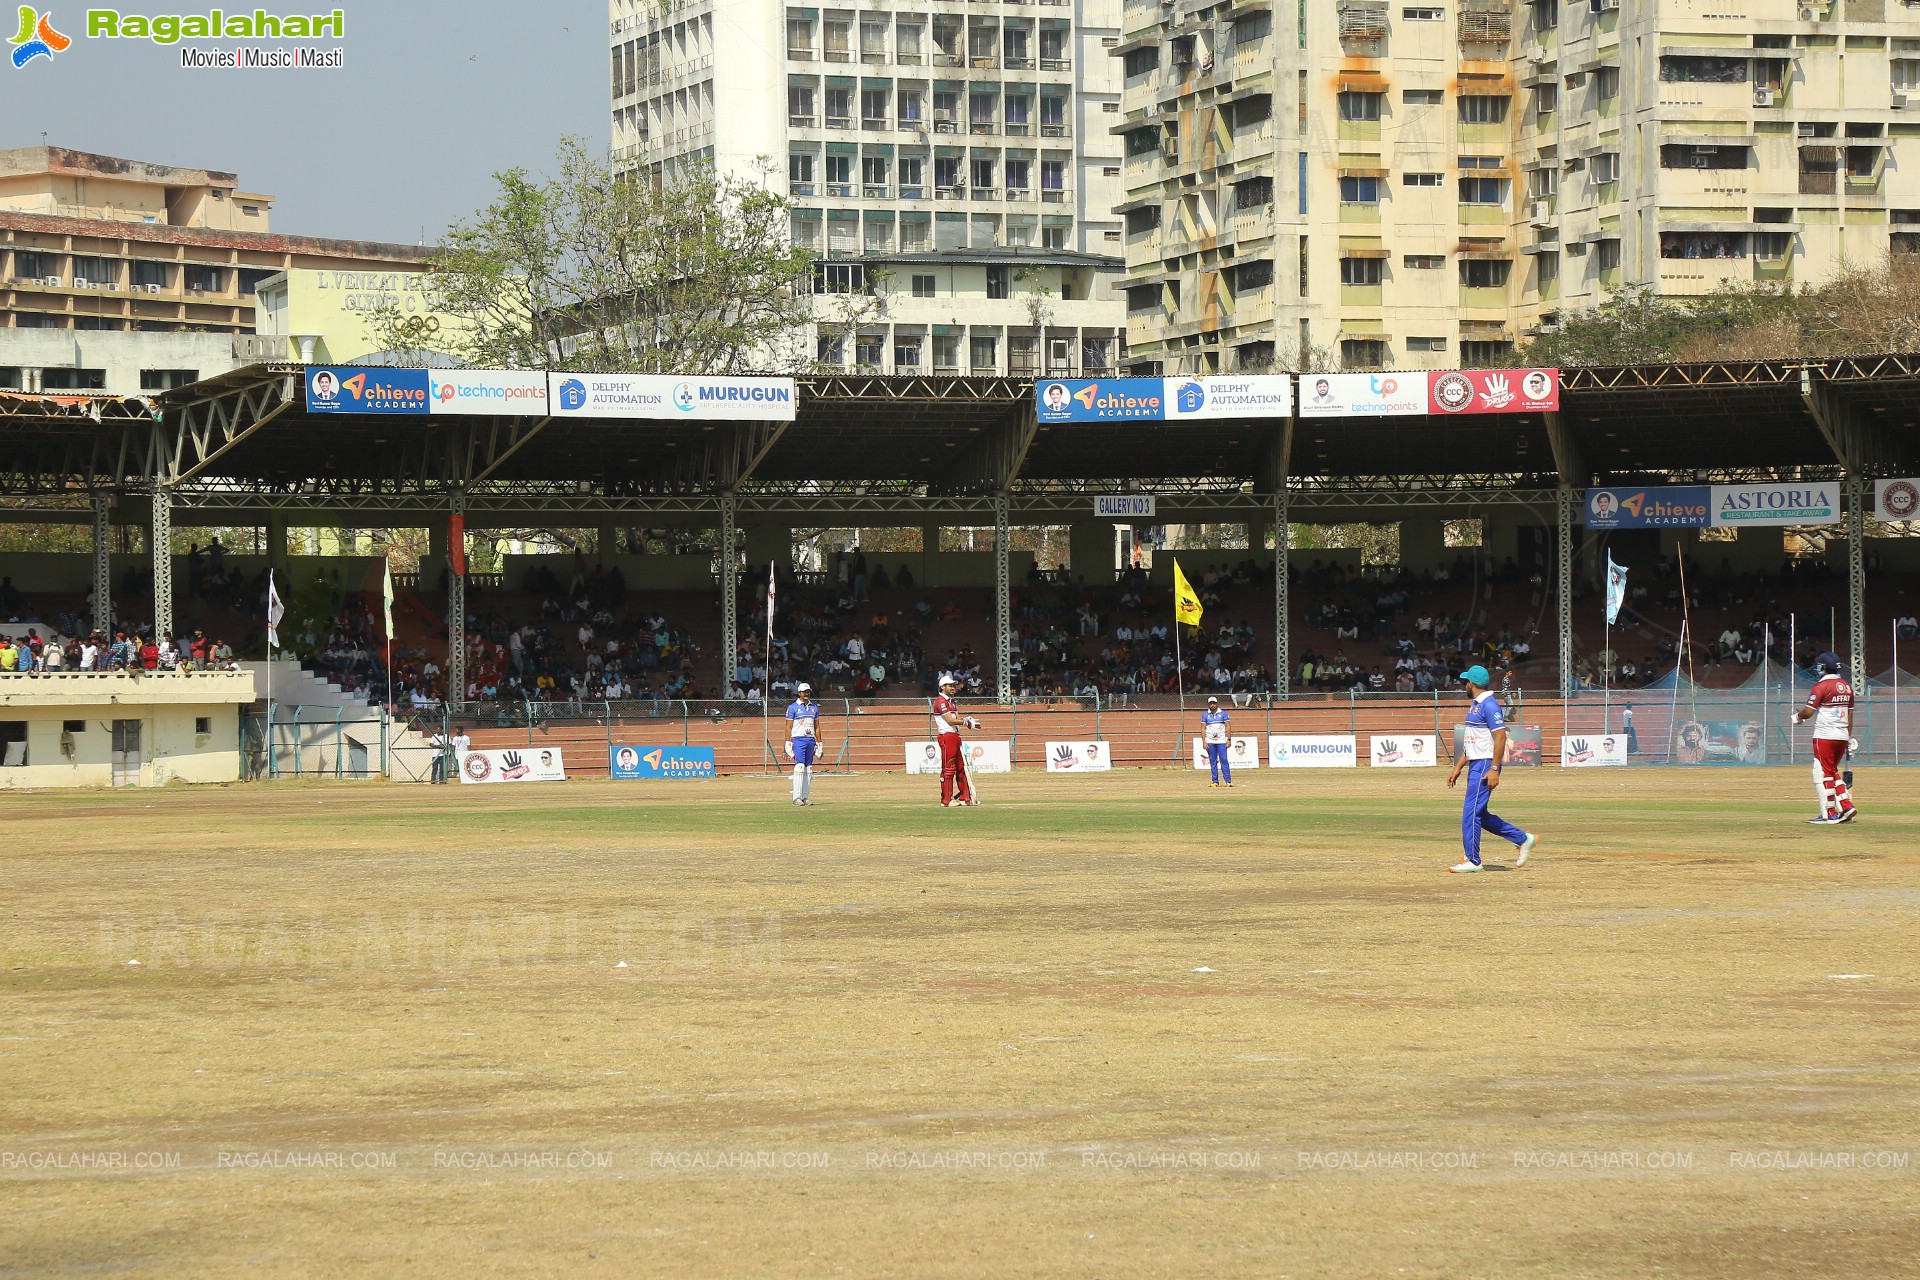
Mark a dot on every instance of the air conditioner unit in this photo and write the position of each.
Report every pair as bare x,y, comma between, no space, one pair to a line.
1763,97
1810,15
1542,213
153,288
81,282
1899,102
52,282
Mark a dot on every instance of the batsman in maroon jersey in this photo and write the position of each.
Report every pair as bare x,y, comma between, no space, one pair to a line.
947,723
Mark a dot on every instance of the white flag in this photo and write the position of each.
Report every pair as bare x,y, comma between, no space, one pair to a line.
389,595
1616,589
275,612
770,598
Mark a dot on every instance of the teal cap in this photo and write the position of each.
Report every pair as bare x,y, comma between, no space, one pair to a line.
1477,675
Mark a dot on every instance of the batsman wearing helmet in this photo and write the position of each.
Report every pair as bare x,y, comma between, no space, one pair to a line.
1830,707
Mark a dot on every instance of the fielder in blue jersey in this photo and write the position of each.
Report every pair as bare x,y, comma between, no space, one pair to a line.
803,739
1213,723
1484,753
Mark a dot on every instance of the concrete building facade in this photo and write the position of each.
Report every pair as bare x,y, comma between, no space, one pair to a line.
1376,183
92,242
952,168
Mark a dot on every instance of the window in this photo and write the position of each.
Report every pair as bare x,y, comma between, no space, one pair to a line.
1363,353
1253,275
73,726
1479,162
1110,108
1359,191
873,175
1476,274
1255,194
1359,271
167,379
1549,267
839,277
1426,344
999,282
148,274
203,725
1481,355
840,173
1704,155
1424,97
1143,298
839,108
1482,109
1053,175
1691,70
984,351
1423,262
912,171
946,352
1139,220
1355,105
799,38
1483,190
923,287
830,349
73,379
911,107
800,103
873,108
800,173
1423,180
1110,171
946,172
1607,254
870,350
982,174
1424,13
1546,99
1606,167
1142,61
13,744
906,351
32,265
1606,82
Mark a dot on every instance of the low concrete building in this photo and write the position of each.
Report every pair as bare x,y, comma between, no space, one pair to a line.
114,363
110,729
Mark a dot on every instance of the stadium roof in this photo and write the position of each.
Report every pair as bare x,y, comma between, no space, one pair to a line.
248,431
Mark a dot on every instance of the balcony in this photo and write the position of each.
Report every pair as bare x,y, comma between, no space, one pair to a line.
913,191
877,123
874,191
1018,130
982,126
985,193
839,122
874,57
802,122
800,188
839,55
985,63
844,189
947,58
949,193
909,59
794,55
1052,196
1056,64
1019,64
945,126
1019,193
1053,131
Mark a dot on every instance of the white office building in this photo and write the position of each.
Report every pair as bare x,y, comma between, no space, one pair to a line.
953,166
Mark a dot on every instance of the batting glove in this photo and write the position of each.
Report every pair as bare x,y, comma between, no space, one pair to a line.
1853,745
972,723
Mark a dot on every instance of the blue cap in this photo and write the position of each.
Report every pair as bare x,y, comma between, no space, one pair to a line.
1477,675
1829,662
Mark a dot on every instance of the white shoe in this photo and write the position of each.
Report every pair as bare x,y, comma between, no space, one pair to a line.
1526,848
1465,868
1845,815
1824,820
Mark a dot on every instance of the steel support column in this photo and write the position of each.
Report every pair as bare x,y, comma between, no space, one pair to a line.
1563,582
457,604
103,564
1002,601
729,593
1282,598
160,549
1859,496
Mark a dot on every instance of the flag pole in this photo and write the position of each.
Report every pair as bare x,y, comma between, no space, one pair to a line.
1179,665
272,636
766,682
1673,703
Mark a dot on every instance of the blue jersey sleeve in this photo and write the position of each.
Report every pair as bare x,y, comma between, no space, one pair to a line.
1491,715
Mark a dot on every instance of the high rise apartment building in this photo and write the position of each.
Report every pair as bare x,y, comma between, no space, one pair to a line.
952,165
1377,183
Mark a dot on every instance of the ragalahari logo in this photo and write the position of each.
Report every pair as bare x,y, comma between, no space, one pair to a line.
37,38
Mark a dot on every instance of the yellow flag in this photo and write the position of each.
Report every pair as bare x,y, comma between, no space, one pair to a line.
1186,602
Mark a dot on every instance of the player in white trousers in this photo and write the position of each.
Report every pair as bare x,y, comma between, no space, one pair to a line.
803,740
1830,707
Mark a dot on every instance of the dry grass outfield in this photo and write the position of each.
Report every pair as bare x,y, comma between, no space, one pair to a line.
1106,1026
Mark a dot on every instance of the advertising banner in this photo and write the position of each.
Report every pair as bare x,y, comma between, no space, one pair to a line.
1684,506
1494,391
486,391
1593,751
1363,395
1814,502
521,764
666,396
1242,753
1255,396
1896,499
1079,757
1162,399
629,763
354,390
1524,743
1312,751
1719,742
982,757
1404,751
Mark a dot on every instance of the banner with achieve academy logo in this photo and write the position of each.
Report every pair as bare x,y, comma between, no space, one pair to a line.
521,764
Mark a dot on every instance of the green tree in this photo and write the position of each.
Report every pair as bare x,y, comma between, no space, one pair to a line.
592,271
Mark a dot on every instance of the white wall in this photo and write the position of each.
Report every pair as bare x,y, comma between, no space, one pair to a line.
122,355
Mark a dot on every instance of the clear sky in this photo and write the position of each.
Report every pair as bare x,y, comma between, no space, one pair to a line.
435,97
